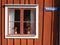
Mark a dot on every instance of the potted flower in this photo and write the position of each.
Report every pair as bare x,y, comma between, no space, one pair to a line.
15,30
29,29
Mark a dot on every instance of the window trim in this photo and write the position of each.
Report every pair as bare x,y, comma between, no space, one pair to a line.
20,6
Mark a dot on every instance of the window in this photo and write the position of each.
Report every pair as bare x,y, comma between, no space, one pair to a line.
21,21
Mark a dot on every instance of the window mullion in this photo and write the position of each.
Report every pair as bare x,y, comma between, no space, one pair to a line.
21,21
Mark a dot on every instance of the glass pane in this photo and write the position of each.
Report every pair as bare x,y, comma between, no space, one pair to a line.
17,25
26,25
17,15
14,27
17,18
14,15
26,15
11,24
11,15
14,21
29,22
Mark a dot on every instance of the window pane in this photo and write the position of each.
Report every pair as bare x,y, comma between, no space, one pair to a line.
17,15
14,21
11,24
17,18
26,15
14,15
26,25
17,24
29,22
14,27
11,15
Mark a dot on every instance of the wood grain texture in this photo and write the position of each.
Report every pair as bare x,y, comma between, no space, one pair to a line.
0,22
10,1
22,1
31,1
47,28
10,41
27,1
52,25
21,21
39,41
16,1
56,28
52,21
48,25
48,3
17,41
3,28
55,32
0,25
23,41
30,41
0,3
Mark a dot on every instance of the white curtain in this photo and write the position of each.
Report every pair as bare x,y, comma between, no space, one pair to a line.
32,21
11,24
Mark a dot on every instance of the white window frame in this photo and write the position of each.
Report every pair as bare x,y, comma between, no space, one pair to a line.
20,6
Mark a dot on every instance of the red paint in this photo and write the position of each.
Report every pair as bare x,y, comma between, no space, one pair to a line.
29,28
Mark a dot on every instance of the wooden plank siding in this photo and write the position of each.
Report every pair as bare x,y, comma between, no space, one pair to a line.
3,29
0,26
56,27
47,24
48,27
39,41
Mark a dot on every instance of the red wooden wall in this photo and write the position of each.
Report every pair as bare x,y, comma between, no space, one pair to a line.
48,24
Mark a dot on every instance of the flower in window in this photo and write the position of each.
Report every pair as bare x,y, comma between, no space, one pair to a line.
29,29
15,30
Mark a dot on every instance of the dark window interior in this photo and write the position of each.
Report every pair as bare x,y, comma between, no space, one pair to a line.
26,18
28,21
17,24
17,15
26,15
17,18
